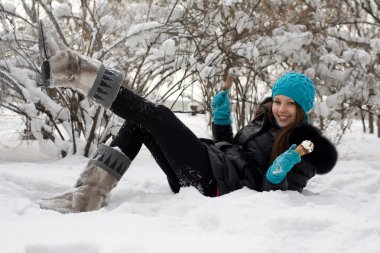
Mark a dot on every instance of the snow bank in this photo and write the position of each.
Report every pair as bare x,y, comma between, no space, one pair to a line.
338,212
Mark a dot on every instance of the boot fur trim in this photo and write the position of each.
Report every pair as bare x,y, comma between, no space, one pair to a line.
111,160
106,86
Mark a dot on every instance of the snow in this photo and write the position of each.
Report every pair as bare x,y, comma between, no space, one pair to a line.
337,212
229,2
9,7
62,10
139,28
375,45
357,55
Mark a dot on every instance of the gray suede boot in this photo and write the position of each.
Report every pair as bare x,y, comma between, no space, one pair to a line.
94,185
63,67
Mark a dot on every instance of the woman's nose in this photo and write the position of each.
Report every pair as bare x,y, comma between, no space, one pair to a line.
282,108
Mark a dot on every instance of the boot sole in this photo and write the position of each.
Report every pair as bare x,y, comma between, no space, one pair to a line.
57,209
59,206
45,67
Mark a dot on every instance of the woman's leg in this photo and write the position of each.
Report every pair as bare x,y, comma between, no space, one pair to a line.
184,152
130,139
105,169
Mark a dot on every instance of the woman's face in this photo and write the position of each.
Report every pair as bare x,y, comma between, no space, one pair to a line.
284,110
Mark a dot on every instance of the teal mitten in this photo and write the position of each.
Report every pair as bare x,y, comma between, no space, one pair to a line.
220,106
282,165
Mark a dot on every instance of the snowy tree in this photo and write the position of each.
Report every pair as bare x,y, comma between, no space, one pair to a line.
127,38
172,50
335,43
62,120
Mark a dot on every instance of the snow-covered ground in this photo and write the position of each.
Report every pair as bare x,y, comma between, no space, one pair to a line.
338,212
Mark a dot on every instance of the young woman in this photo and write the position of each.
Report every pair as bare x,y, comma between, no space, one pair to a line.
261,157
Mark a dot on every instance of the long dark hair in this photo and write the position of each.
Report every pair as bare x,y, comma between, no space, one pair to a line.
281,141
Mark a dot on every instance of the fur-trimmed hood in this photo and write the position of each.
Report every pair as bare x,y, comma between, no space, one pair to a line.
324,155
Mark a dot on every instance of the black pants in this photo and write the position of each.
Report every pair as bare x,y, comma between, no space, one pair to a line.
180,154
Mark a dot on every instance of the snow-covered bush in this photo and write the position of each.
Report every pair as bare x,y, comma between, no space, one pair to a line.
181,50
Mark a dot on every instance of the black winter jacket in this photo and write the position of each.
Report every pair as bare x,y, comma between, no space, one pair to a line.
244,160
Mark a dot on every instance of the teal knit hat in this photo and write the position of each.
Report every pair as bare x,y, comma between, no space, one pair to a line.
298,87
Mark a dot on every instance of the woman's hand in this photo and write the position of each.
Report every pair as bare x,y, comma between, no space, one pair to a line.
220,106
232,73
285,162
282,165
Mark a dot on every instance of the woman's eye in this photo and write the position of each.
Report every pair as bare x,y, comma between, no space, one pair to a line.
277,102
291,103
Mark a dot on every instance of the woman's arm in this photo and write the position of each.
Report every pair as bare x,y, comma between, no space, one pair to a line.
276,176
221,122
